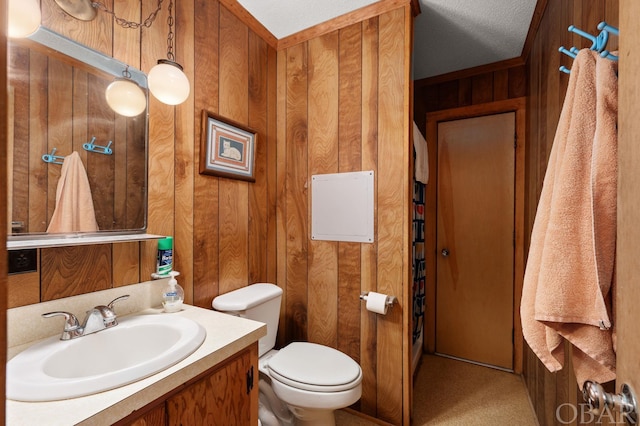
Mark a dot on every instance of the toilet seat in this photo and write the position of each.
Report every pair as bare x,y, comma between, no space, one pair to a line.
313,367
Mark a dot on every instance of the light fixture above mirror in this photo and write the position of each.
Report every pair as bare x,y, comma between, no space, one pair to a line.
167,81
125,96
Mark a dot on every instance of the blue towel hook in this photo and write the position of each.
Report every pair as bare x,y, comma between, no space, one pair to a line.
52,158
571,52
92,147
603,26
606,28
599,42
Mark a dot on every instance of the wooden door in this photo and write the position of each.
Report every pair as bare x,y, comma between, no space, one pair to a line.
628,265
475,239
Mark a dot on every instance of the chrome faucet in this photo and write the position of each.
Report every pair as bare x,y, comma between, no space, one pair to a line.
99,318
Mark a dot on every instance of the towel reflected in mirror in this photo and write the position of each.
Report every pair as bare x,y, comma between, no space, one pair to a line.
74,210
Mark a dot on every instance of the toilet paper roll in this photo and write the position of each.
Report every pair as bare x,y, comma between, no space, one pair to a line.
377,303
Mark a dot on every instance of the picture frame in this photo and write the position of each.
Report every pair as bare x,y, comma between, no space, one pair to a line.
227,148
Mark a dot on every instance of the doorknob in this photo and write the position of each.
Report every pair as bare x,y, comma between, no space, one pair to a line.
445,252
598,400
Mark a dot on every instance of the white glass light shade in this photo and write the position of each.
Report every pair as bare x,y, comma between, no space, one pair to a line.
24,18
168,83
125,97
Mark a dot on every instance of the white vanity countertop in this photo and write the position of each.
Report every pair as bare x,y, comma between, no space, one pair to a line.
226,335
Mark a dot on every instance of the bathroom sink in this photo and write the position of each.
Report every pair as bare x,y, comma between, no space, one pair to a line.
138,347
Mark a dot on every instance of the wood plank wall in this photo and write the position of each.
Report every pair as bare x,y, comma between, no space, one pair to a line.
223,229
547,88
338,102
343,107
503,81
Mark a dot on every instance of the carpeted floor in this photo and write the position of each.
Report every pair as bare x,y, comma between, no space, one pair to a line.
449,392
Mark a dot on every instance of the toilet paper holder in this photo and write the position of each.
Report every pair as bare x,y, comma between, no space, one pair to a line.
391,300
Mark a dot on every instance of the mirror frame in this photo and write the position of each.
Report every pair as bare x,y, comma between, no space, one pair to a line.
60,44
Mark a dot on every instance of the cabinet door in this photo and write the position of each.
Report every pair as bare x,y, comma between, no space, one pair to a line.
222,398
155,417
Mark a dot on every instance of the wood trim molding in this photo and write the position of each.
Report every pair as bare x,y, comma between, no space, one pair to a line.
415,8
345,20
255,25
538,13
518,105
470,72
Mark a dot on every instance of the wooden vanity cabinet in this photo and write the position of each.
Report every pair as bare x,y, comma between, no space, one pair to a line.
226,394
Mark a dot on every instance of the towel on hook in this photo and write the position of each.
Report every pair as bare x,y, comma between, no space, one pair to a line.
422,155
74,210
569,276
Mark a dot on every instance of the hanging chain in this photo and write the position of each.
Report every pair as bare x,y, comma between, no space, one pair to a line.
129,24
170,36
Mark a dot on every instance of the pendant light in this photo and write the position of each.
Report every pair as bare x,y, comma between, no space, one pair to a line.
167,81
24,18
125,96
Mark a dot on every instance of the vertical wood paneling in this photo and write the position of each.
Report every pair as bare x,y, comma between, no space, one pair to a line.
161,202
281,190
547,88
258,191
350,159
125,264
323,83
391,209
185,161
343,106
38,136
69,271
205,204
369,252
20,131
272,174
296,205
98,35
234,195
335,103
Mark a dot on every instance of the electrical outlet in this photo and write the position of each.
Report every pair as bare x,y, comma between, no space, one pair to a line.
21,261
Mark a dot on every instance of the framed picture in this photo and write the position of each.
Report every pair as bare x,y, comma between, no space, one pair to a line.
227,148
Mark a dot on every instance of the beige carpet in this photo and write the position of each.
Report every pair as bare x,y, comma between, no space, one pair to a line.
448,392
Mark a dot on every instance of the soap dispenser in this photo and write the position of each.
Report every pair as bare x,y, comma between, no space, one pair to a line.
172,295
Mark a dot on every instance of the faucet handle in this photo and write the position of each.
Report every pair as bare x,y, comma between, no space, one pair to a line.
117,299
71,324
108,313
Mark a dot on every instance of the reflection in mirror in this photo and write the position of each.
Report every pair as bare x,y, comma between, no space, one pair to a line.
56,107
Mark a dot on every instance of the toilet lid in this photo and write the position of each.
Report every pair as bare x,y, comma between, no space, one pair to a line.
314,367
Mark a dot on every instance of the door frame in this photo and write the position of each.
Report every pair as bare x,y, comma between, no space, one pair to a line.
517,105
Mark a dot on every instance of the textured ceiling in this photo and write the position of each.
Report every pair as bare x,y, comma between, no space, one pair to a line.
450,35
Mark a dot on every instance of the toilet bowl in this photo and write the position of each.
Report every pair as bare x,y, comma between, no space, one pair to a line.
312,380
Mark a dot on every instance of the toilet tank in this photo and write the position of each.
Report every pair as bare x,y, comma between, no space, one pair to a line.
258,302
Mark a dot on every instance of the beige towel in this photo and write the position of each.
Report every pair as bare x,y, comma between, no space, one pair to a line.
569,273
422,155
74,206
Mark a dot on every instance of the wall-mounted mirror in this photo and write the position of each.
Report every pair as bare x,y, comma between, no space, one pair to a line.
57,106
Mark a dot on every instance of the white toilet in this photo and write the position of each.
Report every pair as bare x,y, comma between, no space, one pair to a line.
312,380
